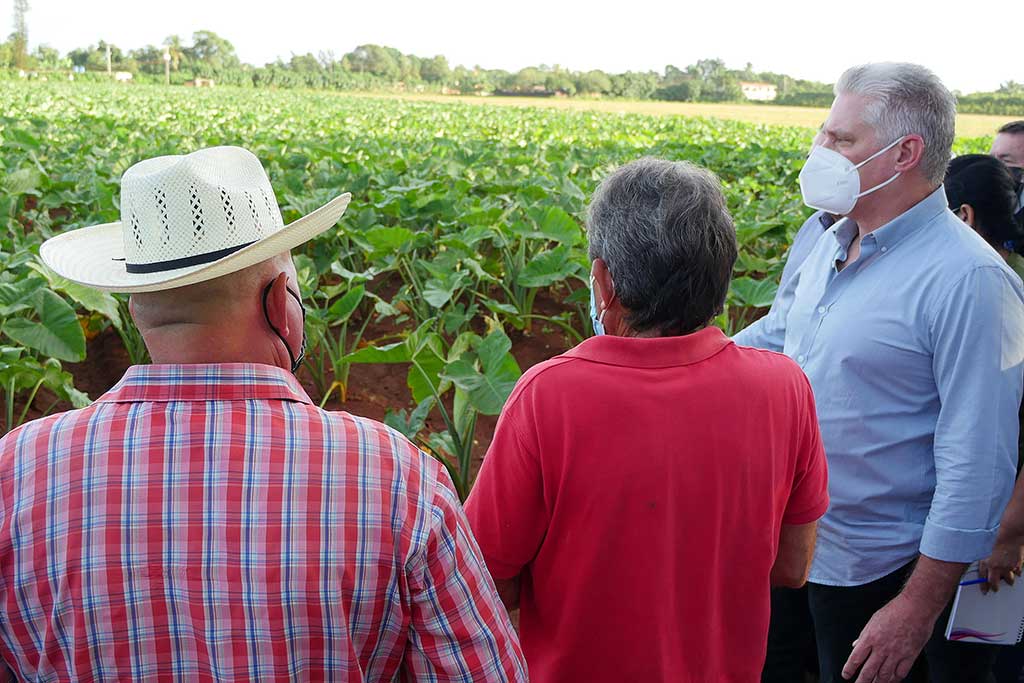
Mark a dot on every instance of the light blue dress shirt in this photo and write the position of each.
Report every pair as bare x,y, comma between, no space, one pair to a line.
914,352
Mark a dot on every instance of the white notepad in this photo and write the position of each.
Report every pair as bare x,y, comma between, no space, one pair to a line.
995,618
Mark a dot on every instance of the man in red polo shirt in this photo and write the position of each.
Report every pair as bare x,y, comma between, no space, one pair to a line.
645,489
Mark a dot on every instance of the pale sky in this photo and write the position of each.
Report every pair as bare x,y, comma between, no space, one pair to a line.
812,39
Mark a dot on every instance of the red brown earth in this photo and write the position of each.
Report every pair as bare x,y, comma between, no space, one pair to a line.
372,390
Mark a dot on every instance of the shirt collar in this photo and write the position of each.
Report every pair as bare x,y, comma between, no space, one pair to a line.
207,382
826,219
656,352
911,220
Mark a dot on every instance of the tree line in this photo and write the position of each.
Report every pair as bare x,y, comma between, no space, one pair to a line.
377,67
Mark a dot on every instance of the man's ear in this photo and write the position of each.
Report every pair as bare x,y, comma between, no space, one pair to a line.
605,293
911,151
277,304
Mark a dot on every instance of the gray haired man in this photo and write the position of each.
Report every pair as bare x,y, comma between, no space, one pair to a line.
910,330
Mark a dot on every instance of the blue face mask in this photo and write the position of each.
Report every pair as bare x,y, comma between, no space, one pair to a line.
594,317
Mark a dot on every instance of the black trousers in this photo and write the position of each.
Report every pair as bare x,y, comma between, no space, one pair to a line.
792,654
840,613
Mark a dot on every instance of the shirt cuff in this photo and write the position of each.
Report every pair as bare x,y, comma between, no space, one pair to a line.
956,545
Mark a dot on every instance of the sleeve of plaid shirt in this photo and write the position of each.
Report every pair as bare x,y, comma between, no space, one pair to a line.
459,629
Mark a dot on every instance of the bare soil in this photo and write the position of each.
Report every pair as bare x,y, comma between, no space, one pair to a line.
372,391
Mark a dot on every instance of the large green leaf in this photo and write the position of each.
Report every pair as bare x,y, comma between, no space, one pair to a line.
547,268
745,234
493,349
342,309
559,226
424,376
487,390
552,224
90,299
56,334
755,293
16,296
391,353
388,239
22,181
410,424
62,384
439,291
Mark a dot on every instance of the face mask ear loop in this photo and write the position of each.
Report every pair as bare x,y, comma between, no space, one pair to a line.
880,152
875,156
879,186
266,314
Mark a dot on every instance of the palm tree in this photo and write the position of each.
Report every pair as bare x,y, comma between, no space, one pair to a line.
175,49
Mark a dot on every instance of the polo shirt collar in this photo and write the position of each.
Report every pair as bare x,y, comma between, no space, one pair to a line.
656,352
206,382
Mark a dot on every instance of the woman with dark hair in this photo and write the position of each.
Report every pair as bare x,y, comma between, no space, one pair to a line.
982,192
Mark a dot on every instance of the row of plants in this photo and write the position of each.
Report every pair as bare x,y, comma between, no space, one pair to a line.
462,217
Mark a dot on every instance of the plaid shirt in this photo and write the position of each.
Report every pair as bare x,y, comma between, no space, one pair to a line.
208,522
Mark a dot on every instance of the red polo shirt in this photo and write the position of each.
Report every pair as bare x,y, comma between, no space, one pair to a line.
639,486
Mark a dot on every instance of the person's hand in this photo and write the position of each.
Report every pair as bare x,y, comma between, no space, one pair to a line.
1004,564
890,642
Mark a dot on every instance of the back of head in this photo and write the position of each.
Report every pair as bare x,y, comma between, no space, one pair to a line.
217,301
906,99
985,184
669,243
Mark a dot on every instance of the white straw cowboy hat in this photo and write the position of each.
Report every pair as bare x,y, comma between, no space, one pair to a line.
185,219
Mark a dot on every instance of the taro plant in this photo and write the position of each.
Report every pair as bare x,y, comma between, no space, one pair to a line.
21,375
531,264
131,338
336,335
338,311
108,307
39,321
479,372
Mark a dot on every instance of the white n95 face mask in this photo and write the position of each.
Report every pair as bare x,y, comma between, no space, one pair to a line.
830,182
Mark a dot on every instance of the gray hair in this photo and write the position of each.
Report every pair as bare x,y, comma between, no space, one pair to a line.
668,240
906,99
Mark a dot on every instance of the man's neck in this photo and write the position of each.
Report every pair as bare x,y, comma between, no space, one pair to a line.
871,215
197,344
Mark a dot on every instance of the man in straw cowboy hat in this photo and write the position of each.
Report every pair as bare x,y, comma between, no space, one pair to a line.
204,520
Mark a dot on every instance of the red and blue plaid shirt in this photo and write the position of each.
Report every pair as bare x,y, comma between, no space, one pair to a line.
208,522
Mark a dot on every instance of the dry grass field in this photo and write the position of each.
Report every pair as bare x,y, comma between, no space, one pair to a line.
967,125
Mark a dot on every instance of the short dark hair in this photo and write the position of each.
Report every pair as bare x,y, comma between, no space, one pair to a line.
664,231
985,183
1012,128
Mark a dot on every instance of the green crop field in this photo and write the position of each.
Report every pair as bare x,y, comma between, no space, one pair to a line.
463,237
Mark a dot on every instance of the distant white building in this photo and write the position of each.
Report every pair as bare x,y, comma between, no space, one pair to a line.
758,91
122,76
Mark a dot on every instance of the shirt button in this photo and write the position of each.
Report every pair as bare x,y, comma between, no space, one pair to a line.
800,359
885,249
821,309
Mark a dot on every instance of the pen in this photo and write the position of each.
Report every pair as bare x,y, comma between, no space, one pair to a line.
973,581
